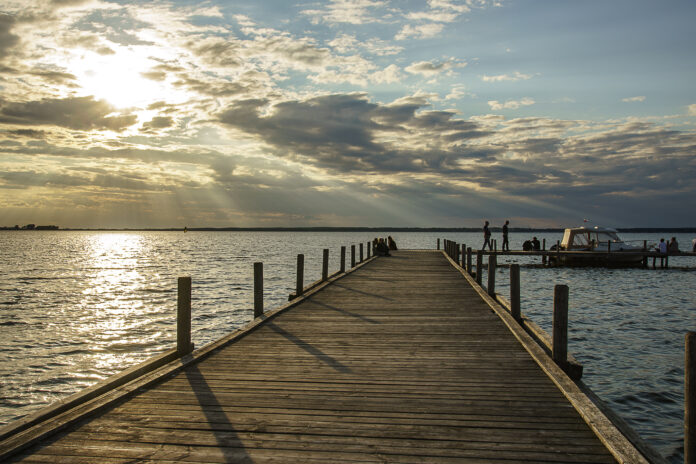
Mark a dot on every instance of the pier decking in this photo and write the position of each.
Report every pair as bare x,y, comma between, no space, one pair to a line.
402,360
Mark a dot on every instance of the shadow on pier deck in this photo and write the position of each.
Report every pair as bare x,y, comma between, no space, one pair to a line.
402,360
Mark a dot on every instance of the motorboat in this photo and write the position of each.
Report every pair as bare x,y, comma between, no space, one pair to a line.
608,248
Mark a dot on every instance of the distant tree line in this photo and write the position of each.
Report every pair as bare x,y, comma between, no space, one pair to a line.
30,227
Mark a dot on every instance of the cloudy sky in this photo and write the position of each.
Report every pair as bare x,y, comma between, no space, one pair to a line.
347,113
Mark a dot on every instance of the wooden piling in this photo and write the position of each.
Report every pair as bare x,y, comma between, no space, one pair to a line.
367,245
559,348
299,283
515,291
543,244
463,255
325,265
438,243
361,252
690,398
468,260
492,262
479,266
343,259
183,317
352,256
258,290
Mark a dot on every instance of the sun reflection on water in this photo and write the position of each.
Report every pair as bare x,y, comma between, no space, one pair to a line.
111,308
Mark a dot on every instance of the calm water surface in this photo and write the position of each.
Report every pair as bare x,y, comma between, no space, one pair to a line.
76,307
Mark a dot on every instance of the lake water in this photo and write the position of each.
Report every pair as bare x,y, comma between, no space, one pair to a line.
77,307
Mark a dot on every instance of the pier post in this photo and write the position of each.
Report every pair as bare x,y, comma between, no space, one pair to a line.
463,255
183,316
343,259
515,292
468,260
645,257
367,245
325,265
559,348
492,262
352,256
258,290
690,398
543,244
558,252
479,266
299,284
361,252
438,243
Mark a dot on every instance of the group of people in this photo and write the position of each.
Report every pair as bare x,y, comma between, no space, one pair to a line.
671,247
380,247
487,237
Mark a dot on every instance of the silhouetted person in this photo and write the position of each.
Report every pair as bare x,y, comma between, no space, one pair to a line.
382,248
535,243
506,243
662,246
487,237
391,243
673,246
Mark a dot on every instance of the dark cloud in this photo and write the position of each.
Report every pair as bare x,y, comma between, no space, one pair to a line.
80,113
343,132
158,122
7,39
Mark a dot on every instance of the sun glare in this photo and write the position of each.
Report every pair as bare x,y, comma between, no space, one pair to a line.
119,79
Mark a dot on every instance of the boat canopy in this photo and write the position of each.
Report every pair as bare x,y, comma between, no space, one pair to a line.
583,238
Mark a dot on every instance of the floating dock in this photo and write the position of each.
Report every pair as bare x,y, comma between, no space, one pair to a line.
401,359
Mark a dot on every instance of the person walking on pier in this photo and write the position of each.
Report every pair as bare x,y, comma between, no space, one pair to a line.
506,244
487,237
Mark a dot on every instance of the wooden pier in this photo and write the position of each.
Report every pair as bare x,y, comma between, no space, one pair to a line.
401,359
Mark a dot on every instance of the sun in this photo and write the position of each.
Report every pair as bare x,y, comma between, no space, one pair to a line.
119,78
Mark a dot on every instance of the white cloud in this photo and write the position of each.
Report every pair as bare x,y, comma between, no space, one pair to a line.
639,98
432,68
347,11
423,31
389,75
516,76
692,109
510,104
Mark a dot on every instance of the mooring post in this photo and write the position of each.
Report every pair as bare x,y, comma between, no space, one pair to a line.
479,266
468,260
299,284
463,255
543,244
258,290
352,256
183,316
559,348
690,398
492,261
438,243
515,292
325,265
367,245
343,259
361,252
558,252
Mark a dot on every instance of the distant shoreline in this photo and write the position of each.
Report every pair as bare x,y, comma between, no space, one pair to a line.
675,230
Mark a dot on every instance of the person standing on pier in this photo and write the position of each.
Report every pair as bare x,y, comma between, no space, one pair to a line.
506,244
487,237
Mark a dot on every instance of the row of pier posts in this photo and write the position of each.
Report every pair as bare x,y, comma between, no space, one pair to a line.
559,338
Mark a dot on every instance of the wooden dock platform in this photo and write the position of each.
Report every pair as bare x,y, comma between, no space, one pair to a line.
401,360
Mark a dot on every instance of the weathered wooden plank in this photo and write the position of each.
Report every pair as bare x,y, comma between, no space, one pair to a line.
402,361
